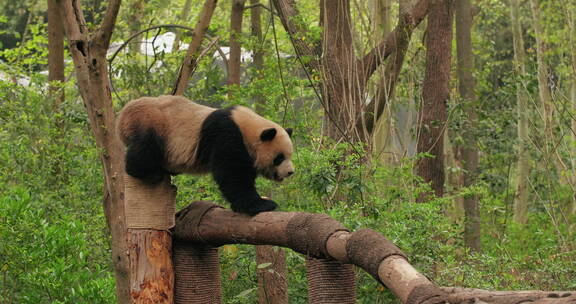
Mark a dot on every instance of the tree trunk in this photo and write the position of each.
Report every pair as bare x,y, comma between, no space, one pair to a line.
55,53
340,79
235,50
550,142
383,129
257,51
543,89
571,14
521,197
271,272
435,93
135,16
344,76
89,54
468,96
181,19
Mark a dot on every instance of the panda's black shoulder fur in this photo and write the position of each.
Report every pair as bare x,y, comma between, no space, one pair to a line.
218,131
221,149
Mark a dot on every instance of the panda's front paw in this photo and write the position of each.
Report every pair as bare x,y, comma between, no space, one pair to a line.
254,207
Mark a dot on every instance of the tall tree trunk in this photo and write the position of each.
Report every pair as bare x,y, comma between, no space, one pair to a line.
89,54
344,76
380,13
271,272
383,129
543,89
468,96
55,52
235,50
182,18
550,142
435,93
340,81
572,209
257,51
521,197
571,15
380,25
135,16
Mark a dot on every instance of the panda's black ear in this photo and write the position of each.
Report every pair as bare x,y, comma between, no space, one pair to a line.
289,131
268,134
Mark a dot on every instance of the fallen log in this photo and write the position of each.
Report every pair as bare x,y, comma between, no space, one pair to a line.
472,295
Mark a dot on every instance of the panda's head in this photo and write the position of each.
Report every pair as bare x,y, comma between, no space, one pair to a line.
273,154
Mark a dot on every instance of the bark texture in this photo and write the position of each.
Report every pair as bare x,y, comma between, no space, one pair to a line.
152,276
190,61
55,52
468,97
435,93
236,17
521,197
271,272
257,50
89,54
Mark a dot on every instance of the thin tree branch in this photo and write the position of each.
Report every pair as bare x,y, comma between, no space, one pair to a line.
401,34
74,22
288,13
107,26
192,53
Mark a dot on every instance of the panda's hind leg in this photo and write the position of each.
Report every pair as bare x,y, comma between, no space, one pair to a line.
145,156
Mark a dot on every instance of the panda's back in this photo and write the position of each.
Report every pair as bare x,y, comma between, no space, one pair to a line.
185,120
176,120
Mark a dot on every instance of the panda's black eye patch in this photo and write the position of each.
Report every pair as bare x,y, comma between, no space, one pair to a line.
279,159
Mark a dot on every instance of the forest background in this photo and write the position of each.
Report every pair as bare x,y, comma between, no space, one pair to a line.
499,146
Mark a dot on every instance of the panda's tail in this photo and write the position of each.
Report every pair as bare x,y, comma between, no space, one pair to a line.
145,156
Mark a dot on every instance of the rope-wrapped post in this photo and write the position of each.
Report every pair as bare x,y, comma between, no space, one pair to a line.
330,282
149,210
197,274
196,263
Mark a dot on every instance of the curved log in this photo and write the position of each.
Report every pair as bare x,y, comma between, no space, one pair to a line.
315,235
319,236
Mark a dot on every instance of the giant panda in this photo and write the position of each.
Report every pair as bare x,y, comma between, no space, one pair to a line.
172,135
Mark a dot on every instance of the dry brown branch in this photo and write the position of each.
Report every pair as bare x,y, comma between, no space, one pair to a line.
319,236
200,29
471,295
406,25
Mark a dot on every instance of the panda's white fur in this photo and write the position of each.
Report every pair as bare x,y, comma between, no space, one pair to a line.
171,134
